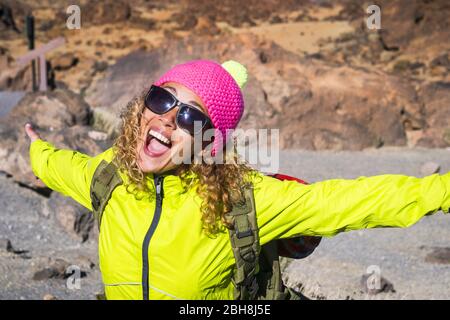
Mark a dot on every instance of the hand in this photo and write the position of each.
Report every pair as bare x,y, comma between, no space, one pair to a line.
33,135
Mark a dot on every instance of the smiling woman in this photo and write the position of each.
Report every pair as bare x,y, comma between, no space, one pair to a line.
176,114
210,230
160,124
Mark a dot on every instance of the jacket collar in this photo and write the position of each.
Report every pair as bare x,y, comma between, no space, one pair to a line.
172,185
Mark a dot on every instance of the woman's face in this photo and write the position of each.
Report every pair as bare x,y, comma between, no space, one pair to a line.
161,138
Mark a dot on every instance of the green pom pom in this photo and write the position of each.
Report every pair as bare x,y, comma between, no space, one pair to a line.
237,71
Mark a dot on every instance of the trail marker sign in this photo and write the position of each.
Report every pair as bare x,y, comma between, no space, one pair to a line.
39,53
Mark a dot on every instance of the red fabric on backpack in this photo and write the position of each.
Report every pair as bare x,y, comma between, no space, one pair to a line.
280,176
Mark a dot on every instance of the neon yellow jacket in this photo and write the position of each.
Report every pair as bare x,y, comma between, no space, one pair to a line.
183,263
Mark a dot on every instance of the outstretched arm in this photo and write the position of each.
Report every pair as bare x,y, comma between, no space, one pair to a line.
66,171
287,208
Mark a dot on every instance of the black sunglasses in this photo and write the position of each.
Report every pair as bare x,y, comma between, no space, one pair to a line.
161,101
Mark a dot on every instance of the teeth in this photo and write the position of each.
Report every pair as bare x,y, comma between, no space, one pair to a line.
159,136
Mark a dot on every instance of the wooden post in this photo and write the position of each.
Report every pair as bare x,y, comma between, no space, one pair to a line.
39,53
43,73
29,21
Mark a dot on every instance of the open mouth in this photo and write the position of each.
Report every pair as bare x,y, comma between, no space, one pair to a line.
156,143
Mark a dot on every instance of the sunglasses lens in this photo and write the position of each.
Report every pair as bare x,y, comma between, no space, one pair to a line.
159,100
191,119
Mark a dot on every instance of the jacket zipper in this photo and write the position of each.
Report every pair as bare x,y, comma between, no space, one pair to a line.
145,268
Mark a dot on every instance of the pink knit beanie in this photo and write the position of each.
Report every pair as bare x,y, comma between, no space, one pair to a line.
219,88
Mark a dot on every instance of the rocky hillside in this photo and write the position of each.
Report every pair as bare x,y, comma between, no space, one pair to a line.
316,71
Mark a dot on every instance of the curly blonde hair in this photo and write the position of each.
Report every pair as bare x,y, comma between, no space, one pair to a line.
219,185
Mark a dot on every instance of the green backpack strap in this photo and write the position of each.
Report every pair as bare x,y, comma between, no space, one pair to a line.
269,276
106,178
257,274
244,239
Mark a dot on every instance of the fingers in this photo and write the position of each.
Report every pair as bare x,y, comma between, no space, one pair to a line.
33,135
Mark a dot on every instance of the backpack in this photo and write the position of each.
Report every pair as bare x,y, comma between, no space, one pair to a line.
257,273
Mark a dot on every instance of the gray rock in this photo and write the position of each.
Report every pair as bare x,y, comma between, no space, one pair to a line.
439,256
429,168
46,273
5,244
55,270
72,217
61,117
373,284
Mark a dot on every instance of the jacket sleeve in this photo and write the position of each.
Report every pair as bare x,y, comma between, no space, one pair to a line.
66,171
287,208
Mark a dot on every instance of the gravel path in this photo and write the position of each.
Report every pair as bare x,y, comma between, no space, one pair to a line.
25,223
333,271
